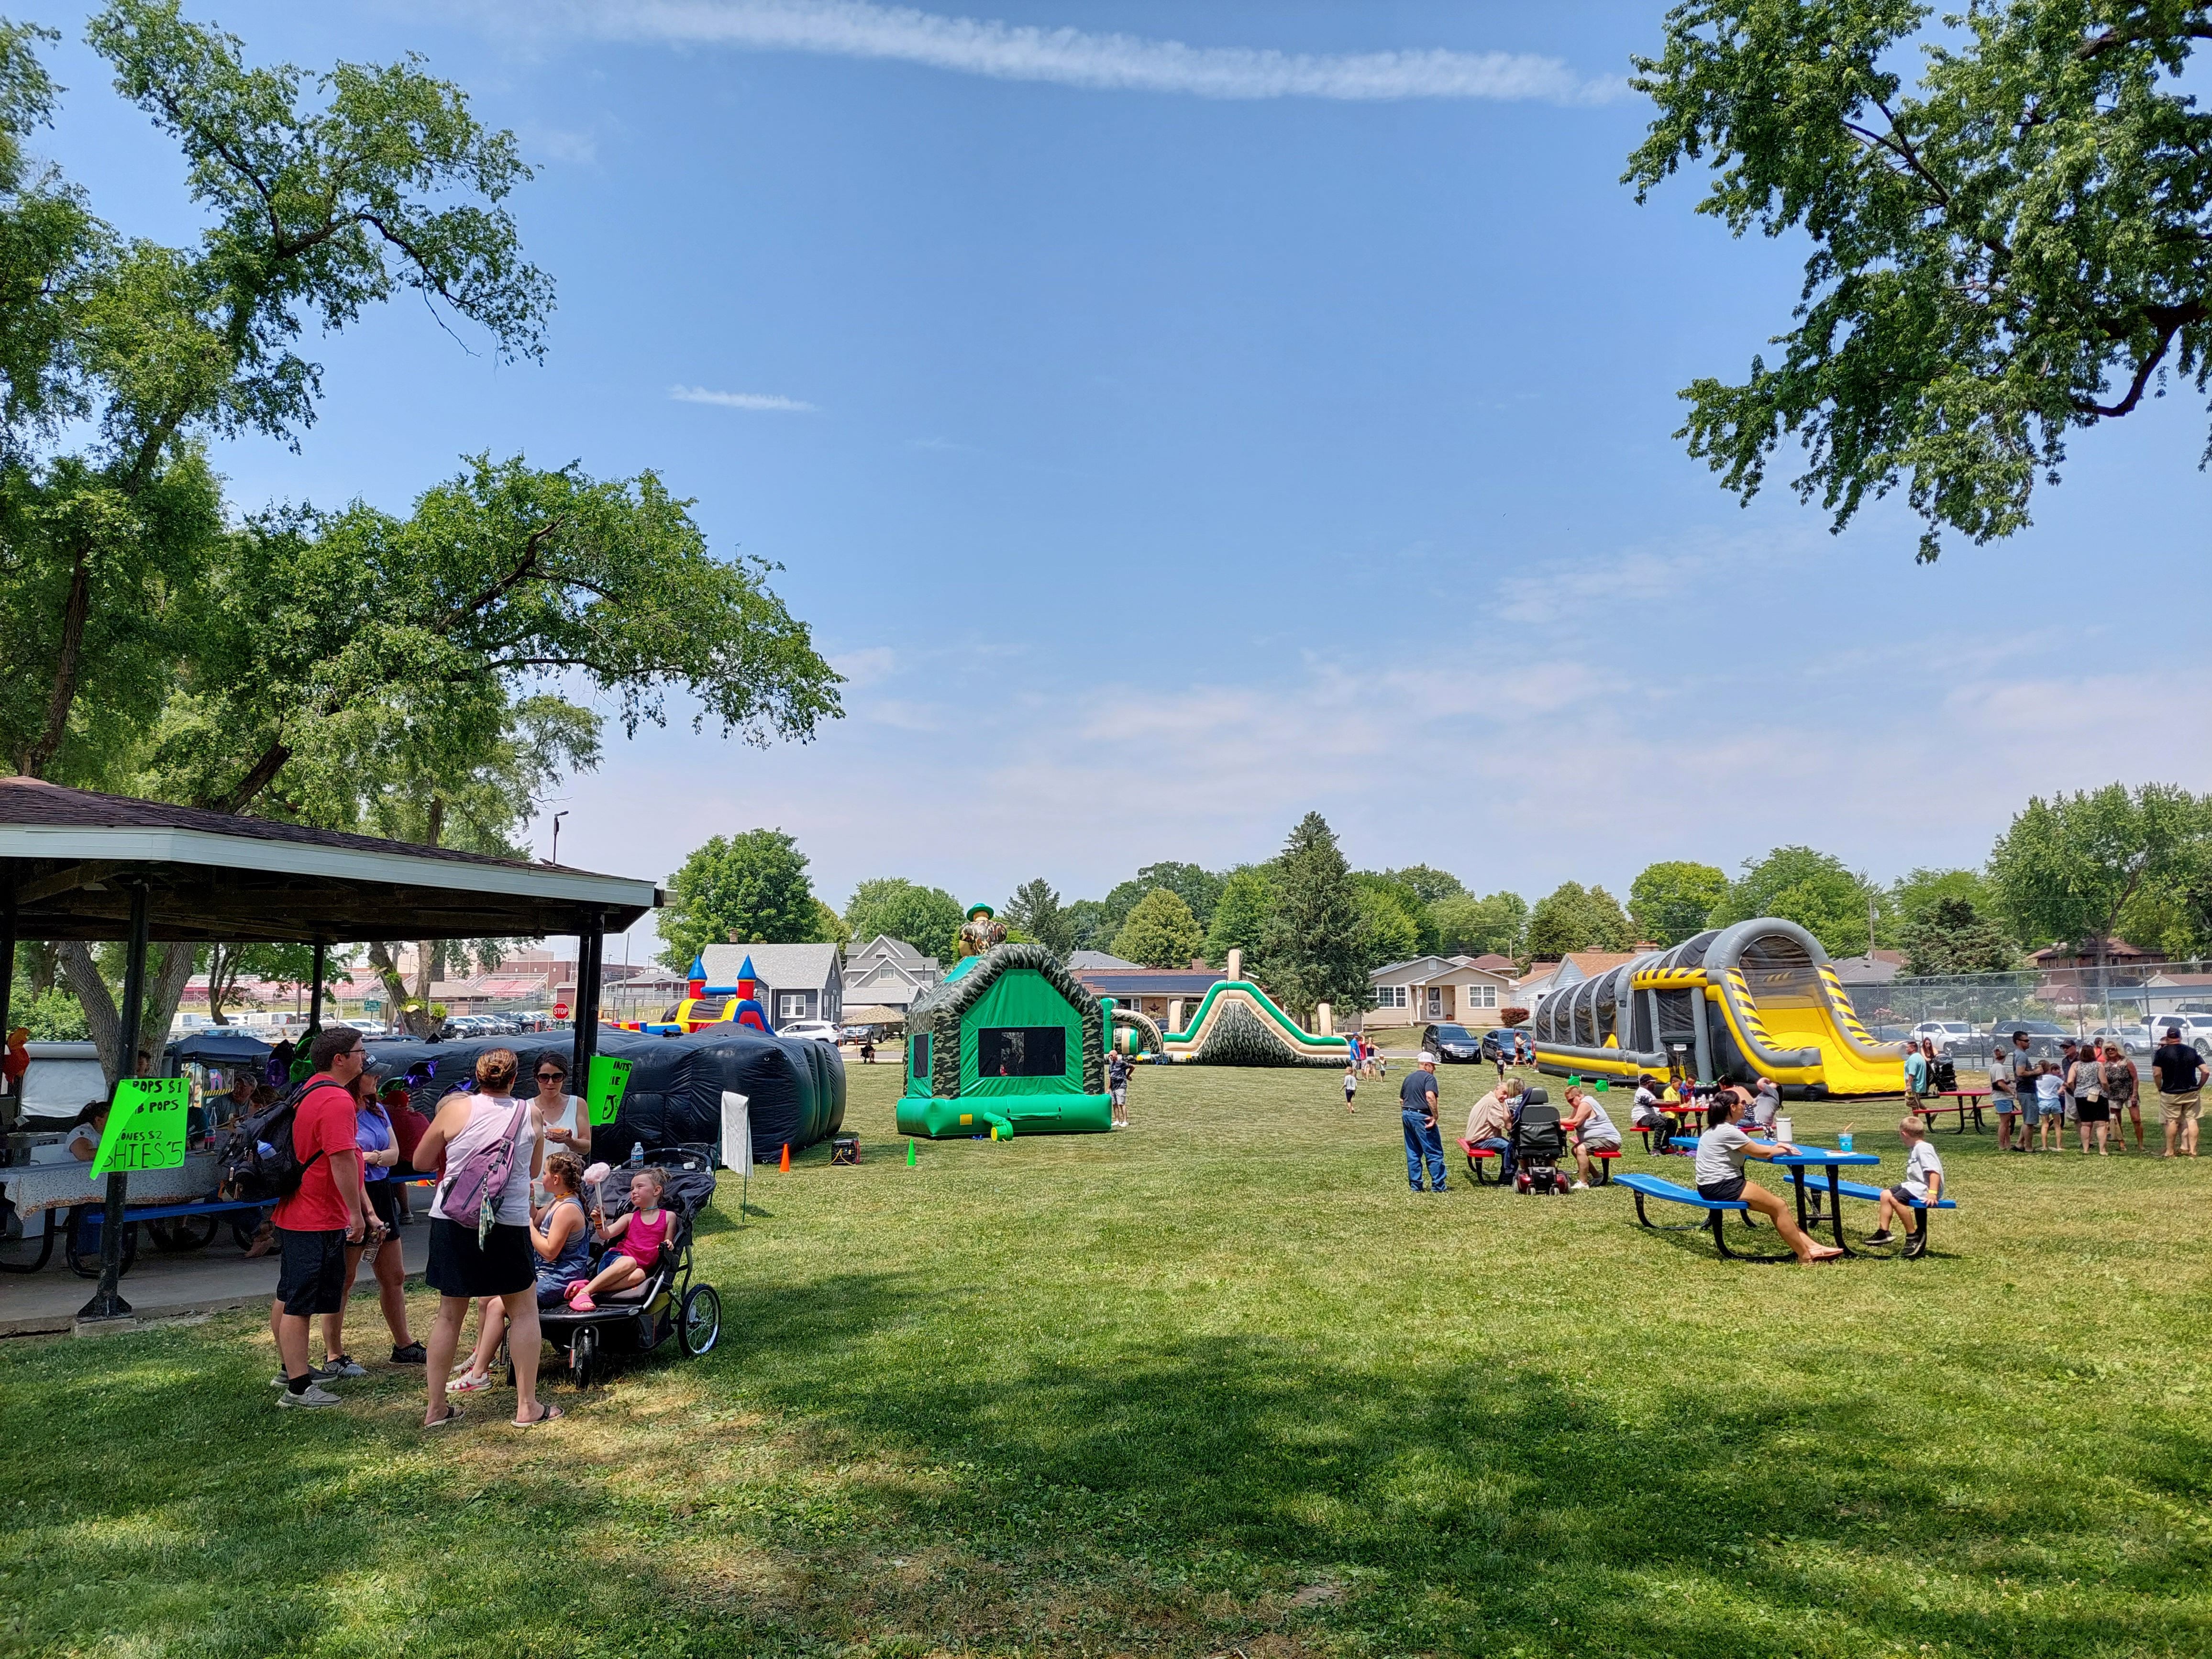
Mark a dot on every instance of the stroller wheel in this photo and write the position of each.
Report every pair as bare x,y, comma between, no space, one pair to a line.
700,1321
583,1356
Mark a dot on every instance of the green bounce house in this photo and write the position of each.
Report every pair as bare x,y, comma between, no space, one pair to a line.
1008,1044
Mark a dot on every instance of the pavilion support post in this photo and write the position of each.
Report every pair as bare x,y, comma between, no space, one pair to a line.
591,942
315,996
108,1301
7,986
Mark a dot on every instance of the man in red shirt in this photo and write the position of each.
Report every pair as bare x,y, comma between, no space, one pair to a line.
328,1212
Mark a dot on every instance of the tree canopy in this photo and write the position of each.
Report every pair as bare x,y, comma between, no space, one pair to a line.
1239,917
1461,924
1670,901
928,918
1814,889
1161,932
749,889
1316,948
1572,917
2067,868
1948,935
2019,247
1036,909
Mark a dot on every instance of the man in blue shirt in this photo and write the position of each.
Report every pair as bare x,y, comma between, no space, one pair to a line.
1916,1077
1417,1100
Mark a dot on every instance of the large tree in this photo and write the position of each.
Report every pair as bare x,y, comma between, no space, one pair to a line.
1670,901
1572,917
1161,932
1316,948
1036,909
1465,924
2067,868
1948,936
1240,916
928,918
1816,891
748,889
2020,247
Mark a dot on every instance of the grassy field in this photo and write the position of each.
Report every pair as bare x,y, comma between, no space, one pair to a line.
1216,1386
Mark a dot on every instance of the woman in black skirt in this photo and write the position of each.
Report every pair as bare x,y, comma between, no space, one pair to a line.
467,1260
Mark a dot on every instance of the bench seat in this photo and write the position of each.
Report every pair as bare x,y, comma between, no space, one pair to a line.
1716,1209
1916,1245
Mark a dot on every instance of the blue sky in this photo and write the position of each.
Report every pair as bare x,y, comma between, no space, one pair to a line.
1173,419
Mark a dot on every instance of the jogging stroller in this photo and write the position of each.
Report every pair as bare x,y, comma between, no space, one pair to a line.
1540,1141
627,1323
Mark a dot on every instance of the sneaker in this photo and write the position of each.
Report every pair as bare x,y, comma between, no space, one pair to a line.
313,1395
322,1373
344,1365
413,1354
1885,1236
1579,1187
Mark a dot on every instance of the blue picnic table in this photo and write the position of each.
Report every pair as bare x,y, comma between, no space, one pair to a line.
1812,1158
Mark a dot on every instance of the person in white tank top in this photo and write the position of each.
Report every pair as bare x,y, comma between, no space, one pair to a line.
564,1119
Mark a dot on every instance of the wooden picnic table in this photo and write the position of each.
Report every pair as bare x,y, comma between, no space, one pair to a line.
1962,1102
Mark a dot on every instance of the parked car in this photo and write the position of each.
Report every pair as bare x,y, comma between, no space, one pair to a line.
1449,1042
821,1030
2045,1039
2133,1036
1503,1042
1948,1034
2195,1030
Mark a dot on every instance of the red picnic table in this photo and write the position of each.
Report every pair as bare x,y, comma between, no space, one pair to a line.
1962,1101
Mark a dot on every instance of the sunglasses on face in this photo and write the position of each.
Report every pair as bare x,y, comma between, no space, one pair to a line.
550,1077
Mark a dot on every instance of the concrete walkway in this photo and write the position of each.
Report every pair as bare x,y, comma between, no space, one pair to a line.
161,1287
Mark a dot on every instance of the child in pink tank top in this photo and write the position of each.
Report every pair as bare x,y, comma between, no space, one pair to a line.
636,1238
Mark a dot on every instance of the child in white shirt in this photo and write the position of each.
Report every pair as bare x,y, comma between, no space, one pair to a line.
2050,1109
1351,1084
1923,1183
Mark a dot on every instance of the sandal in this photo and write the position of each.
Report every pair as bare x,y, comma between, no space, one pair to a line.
469,1384
547,1413
452,1416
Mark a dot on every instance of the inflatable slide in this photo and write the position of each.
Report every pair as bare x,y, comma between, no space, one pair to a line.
1238,1024
1757,999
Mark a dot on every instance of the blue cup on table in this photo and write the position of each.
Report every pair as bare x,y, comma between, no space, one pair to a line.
1844,1142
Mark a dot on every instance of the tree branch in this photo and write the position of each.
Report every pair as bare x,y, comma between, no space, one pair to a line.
524,567
2130,35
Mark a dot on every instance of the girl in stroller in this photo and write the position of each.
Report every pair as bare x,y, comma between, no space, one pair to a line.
635,1239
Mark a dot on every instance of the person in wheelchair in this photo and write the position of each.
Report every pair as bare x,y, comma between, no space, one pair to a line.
634,1241
561,1238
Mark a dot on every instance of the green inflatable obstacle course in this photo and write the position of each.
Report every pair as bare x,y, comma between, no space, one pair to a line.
1009,1043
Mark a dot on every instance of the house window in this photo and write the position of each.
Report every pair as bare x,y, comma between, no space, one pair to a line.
791,1005
1021,1051
1389,996
1482,996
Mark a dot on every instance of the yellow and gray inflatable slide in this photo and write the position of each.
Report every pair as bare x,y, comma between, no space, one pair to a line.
1759,998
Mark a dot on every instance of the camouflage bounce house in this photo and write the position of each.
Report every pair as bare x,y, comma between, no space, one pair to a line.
1009,1043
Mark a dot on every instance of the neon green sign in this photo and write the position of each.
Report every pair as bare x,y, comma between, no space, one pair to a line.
145,1126
610,1080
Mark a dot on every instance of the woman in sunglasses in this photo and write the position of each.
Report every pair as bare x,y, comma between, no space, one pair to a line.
563,1117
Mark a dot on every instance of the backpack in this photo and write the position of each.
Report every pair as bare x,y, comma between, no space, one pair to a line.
249,1172
471,1188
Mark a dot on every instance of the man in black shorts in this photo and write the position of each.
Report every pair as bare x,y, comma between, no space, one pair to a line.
326,1212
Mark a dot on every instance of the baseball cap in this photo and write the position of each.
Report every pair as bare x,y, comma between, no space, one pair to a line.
1427,1059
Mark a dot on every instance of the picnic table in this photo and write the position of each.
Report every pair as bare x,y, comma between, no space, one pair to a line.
54,1189
1962,1102
1813,1158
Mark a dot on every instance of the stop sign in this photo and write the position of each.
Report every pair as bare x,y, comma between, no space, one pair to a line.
560,1010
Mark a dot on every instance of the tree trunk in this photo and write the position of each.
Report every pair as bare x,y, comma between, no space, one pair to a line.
167,969
75,610
414,1021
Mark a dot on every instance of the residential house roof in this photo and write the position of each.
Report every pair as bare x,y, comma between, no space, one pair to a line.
1491,963
1423,968
1084,961
2061,954
1875,969
1149,981
784,966
883,945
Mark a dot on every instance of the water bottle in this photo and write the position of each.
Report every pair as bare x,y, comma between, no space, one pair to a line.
636,1152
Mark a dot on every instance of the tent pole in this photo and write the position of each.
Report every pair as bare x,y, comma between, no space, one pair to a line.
315,996
590,941
9,1116
108,1301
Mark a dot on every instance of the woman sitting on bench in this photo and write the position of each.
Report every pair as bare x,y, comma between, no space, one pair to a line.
1721,1152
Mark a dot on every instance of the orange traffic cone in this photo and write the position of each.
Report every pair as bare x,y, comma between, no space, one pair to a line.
785,1167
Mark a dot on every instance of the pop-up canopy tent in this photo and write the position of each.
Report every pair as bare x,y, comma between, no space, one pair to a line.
79,866
794,1086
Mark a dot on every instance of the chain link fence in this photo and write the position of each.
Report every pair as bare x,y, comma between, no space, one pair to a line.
2130,1000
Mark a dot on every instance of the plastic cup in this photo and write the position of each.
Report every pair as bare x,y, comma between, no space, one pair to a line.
1844,1142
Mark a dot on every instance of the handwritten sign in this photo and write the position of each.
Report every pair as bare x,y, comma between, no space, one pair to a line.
610,1080
145,1127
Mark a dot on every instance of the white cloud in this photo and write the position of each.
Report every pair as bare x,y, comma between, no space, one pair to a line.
760,400
1078,58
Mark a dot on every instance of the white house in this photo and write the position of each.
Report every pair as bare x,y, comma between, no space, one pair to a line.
1546,978
883,976
1460,989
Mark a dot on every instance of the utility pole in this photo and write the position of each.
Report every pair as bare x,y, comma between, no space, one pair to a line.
556,857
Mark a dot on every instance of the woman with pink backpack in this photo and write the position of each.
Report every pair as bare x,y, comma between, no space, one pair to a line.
480,1229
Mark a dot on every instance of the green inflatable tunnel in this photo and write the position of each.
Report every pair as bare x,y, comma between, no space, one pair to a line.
1008,1044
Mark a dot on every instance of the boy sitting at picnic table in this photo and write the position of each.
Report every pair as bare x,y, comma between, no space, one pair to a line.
1589,1129
1721,1152
1923,1183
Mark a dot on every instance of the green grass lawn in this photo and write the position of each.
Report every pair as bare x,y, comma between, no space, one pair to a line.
1218,1385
